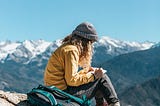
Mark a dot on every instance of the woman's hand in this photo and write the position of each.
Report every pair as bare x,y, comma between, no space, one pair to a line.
98,73
91,69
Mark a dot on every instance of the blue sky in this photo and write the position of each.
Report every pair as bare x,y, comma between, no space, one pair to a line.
129,20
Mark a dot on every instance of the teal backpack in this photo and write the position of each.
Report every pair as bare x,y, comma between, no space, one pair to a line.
52,96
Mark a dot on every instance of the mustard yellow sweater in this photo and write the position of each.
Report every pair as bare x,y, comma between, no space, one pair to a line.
62,69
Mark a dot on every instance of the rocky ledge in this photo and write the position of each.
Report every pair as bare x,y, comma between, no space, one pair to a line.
12,99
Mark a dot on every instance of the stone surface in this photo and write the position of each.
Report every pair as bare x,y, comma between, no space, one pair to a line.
12,99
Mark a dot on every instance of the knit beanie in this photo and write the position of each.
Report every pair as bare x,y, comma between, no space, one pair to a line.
86,30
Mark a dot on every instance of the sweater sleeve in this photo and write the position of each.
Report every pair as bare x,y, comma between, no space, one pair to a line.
72,77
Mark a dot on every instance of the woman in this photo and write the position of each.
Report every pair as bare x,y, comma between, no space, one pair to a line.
63,71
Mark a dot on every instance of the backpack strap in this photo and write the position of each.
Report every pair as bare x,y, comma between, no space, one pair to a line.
63,95
40,97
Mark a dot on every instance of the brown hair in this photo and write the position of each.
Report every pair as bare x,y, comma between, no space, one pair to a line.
84,47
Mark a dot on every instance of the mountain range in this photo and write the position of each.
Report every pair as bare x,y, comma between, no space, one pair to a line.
136,77
28,50
134,68
128,64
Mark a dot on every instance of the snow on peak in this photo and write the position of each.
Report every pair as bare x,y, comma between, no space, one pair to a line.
156,45
36,47
7,47
105,40
29,49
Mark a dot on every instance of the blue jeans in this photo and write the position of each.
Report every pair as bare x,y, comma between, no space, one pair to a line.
100,89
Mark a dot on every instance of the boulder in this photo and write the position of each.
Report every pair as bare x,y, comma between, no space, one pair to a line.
13,99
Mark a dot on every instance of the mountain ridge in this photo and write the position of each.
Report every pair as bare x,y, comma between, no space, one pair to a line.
29,49
146,93
133,68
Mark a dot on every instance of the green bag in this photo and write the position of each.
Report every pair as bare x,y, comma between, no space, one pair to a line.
52,96
38,97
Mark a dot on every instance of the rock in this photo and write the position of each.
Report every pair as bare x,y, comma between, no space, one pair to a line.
12,99
3,102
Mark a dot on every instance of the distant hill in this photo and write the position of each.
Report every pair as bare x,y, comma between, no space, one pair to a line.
145,94
130,69
19,77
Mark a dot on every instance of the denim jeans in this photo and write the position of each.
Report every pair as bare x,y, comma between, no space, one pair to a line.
100,89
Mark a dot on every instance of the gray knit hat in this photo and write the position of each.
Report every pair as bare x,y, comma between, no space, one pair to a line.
86,30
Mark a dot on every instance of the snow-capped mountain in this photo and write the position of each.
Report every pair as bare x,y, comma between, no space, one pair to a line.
116,47
19,51
7,47
156,45
29,50
107,48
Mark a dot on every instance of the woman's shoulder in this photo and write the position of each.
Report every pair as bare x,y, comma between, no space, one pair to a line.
69,47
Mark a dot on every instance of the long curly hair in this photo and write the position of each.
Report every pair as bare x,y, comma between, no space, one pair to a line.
84,46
